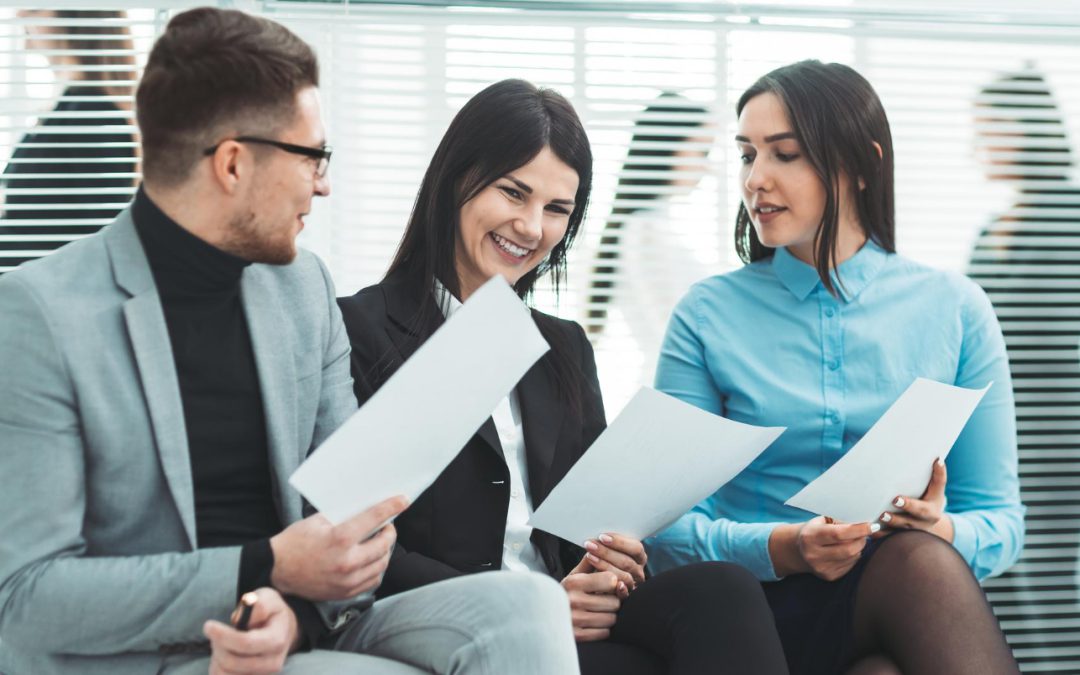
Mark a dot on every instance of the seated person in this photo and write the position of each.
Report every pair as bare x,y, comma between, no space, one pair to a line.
505,194
163,377
821,332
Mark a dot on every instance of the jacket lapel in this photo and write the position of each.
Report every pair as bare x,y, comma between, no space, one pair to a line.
542,417
403,307
276,367
152,348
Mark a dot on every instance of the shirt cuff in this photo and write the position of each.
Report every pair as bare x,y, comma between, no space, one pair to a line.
256,566
965,538
755,542
309,621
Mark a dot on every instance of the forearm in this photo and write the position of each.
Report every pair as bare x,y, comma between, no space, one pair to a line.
989,539
784,550
79,605
697,536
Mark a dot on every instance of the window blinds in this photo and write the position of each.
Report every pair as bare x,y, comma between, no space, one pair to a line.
984,100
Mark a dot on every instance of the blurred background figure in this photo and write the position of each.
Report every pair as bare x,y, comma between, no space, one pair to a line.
1028,261
644,265
75,170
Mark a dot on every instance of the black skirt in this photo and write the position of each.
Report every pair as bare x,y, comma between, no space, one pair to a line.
816,618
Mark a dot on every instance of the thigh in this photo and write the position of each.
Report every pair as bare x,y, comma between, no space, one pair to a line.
318,662
613,658
493,619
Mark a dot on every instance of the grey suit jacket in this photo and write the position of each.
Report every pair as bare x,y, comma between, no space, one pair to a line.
99,568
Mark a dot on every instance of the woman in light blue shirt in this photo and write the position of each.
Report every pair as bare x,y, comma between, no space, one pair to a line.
821,331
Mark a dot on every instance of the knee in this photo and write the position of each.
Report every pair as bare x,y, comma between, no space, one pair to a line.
717,584
919,553
529,596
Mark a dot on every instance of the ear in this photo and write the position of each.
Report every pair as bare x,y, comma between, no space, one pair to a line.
880,156
229,165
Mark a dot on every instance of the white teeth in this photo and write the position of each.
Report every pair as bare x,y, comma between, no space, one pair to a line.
769,209
510,248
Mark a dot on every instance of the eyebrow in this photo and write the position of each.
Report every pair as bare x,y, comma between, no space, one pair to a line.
769,139
528,190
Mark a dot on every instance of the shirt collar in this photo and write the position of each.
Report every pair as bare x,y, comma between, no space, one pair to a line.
181,262
446,300
850,278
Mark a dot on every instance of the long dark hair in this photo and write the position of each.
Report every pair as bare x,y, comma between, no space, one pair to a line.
500,129
668,123
837,117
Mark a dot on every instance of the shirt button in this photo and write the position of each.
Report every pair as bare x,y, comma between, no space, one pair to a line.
834,418
834,364
829,311
514,494
517,547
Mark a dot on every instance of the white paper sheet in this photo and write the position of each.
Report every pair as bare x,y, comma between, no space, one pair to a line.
405,435
895,457
650,466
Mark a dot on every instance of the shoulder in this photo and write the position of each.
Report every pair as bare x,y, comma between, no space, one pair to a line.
73,271
571,332
366,305
944,289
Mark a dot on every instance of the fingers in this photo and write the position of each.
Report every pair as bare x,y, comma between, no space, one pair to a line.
361,525
590,634
935,490
596,582
627,578
605,557
824,534
626,545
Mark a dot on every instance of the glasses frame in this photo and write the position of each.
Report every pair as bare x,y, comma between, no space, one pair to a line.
322,155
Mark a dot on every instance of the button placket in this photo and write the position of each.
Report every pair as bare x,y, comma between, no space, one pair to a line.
832,377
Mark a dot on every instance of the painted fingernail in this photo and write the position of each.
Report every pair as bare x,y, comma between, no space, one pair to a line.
940,462
622,587
875,527
606,538
885,517
899,502
591,558
591,546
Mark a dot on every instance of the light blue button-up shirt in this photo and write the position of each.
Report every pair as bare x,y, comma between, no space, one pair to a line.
768,345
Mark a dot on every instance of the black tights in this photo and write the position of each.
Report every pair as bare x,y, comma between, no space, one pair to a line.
919,611
693,620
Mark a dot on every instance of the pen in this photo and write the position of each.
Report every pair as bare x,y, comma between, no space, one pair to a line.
241,616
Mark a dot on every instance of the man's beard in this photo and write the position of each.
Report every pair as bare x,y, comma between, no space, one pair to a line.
255,243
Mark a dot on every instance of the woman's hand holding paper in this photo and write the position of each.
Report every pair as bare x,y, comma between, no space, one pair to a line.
925,513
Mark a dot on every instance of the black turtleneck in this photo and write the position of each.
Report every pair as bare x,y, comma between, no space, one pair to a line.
199,286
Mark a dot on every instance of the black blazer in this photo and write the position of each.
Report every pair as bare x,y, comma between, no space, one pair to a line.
457,526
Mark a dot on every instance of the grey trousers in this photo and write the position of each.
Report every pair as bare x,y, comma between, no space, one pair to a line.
495,623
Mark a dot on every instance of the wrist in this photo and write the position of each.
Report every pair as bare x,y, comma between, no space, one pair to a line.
784,550
297,635
944,528
278,577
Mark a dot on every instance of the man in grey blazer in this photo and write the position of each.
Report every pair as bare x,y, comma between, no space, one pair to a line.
159,382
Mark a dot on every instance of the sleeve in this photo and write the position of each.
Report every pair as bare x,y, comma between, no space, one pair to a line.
336,404
256,567
54,596
702,534
983,489
594,421
407,570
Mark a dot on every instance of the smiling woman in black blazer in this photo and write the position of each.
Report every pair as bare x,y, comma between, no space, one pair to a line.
505,194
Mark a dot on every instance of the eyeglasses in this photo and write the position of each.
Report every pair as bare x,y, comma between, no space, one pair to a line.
321,155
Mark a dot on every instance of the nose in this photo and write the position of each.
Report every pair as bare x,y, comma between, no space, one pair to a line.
757,176
322,185
530,225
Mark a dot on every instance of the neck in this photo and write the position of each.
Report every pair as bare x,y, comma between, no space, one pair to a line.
850,237
193,209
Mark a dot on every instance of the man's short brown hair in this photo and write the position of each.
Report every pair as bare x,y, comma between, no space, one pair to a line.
215,72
